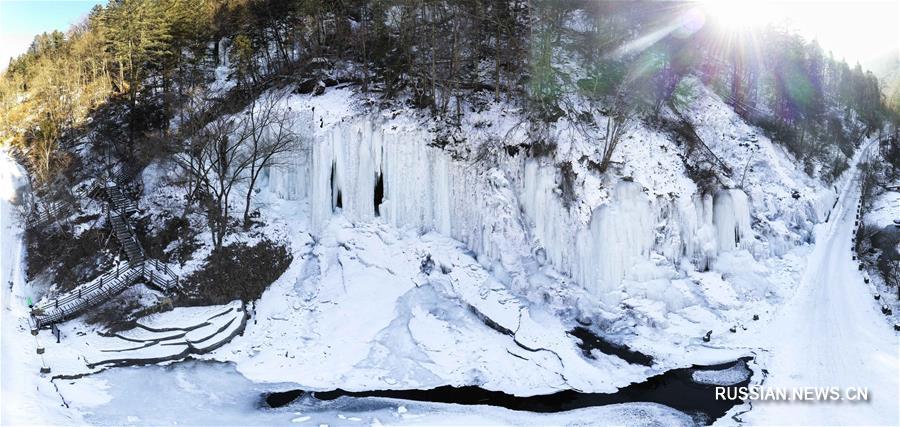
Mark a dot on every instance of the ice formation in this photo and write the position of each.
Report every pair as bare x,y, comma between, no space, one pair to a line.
363,169
731,213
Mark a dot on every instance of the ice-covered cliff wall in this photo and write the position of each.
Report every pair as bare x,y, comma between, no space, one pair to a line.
630,227
365,169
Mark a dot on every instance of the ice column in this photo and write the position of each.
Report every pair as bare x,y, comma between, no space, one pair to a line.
731,215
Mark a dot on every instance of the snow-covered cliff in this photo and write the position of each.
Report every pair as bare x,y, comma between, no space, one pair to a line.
509,211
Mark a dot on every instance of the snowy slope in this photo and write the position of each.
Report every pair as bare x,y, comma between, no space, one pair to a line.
358,312
509,212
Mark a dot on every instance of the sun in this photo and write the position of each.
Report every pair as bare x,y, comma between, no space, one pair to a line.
739,15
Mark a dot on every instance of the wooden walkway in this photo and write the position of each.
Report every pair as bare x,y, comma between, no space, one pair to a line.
136,269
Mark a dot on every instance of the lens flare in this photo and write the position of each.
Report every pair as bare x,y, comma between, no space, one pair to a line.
739,15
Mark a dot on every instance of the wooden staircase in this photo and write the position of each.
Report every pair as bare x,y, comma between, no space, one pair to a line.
159,274
138,268
88,295
126,238
119,202
103,288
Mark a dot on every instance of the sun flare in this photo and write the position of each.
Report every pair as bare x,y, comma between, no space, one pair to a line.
740,14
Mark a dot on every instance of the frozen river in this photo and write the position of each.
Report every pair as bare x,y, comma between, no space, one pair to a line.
205,393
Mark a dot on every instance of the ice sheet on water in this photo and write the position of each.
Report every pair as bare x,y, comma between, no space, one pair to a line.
729,376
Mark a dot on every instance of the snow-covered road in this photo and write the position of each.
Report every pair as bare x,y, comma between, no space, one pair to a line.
832,334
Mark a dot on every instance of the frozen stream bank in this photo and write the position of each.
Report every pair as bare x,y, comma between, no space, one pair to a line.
200,393
677,388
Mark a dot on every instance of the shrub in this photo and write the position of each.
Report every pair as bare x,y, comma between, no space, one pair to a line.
704,176
236,271
542,148
835,168
72,259
174,229
781,132
117,314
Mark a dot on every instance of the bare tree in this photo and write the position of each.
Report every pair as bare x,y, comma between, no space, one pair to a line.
618,120
188,155
269,128
232,150
215,159
892,275
619,115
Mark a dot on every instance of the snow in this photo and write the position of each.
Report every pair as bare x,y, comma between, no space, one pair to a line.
620,236
160,337
357,311
422,187
732,213
885,209
831,334
766,173
633,255
26,397
640,254
425,189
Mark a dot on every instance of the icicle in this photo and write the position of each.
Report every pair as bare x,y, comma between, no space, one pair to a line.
320,203
420,187
553,229
621,234
731,216
288,180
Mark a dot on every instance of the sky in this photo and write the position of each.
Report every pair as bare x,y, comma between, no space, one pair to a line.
863,30
21,20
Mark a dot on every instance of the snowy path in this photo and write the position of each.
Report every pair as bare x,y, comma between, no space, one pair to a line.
832,334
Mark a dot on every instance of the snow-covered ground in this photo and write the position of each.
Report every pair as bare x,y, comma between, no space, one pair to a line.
885,208
196,393
358,313
831,334
157,338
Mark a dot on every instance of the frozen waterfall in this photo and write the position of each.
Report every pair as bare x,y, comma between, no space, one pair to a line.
731,212
364,170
